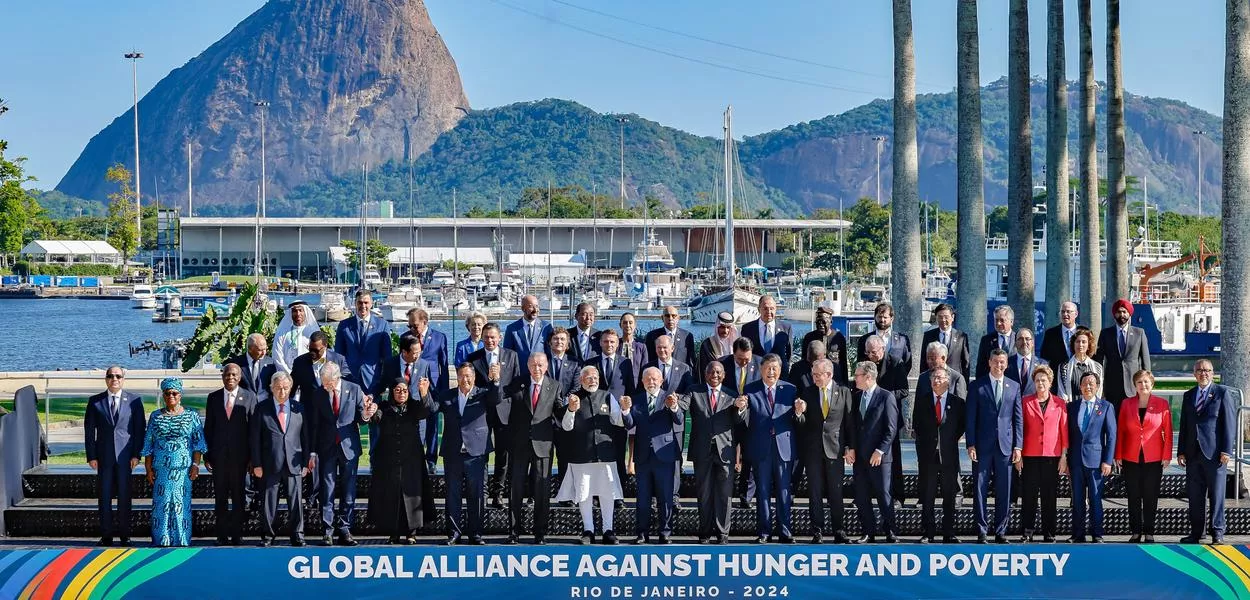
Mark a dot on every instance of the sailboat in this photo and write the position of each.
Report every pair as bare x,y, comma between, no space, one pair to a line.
741,302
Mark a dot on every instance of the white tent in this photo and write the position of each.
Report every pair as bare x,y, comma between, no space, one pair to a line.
72,251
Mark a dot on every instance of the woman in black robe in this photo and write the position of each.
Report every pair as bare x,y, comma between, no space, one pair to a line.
398,466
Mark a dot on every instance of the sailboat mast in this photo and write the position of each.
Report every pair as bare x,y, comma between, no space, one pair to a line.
551,284
364,231
729,198
412,231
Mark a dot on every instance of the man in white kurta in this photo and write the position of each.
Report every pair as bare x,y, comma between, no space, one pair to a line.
291,338
595,423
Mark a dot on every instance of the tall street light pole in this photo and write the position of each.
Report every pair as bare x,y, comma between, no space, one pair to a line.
261,106
1199,133
622,121
134,71
880,139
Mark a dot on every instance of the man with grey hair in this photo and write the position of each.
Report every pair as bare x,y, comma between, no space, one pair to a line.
1002,338
336,411
826,439
280,443
659,421
594,419
935,359
256,366
801,372
892,375
876,428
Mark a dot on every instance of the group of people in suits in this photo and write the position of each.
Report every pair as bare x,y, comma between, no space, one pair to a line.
604,404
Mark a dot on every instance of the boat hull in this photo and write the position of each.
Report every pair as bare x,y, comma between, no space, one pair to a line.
743,304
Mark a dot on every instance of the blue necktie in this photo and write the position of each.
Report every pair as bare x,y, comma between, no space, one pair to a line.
1085,419
1202,400
1121,336
863,404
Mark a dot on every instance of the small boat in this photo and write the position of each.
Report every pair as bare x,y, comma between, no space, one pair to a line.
141,296
332,308
196,306
168,305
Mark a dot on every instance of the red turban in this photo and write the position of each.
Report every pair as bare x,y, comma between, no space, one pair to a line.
1125,303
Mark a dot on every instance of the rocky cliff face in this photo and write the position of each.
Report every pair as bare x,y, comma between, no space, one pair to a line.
347,82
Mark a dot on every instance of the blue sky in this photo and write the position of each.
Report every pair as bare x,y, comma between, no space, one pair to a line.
64,77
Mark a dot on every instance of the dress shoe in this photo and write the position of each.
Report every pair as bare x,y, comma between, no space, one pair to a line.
297,542
496,502
703,539
864,539
588,537
840,538
925,539
1149,539
890,538
785,539
478,541
1098,539
609,538
347,540
452,539
950,539
1134,539
327,540
721,540
1076,539
981,539
105,541
665,540
618,504
236,541
818,538
743,503
1191,539
126,543
642,539
763,539
1027,538
221,541
513,539
1049,539
265,542
1217,539
539,540
393,540
409,540
1000,539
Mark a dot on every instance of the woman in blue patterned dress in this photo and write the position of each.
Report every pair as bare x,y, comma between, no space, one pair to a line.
172,451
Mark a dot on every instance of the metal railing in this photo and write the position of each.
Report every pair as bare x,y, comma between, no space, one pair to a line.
1239,453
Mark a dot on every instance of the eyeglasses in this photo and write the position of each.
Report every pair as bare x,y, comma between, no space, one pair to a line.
114,376
1204,370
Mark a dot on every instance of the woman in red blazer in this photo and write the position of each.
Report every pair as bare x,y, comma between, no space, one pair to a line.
1143,449
1045,443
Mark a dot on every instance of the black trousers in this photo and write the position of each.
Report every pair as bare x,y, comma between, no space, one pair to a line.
229,504
1142,481
294,503
501,470
937,476
462,473
715,484
533,472
1040,477
824,483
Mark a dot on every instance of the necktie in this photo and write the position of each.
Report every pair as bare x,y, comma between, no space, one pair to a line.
335,406
363,327
712,395
772,402
534,396
408,373
664,371
937,409
491,359
1121,338
1202,400
585,344
256,376
650,402
282,416
608,373
229,404
555,366
114,406
942,337
1085,417
338,439
1024,368
1002,341
998,393
1067,342
742,379
768,337
824,402
863,404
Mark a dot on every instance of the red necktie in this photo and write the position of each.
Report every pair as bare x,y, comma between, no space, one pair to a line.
772,403
534,397
937,410
408,373
338,439
282,416
713,400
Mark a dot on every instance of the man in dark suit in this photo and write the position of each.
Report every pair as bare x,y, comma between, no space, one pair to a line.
469,413
835,344
1021,364
675,374
1057,340
113,427
533,406
682,340
713,423
562,367
876,421
1002,338
935,359
584,338
1205,447
529,333
256,366
364,340
897,345
826,439
306,371
892,377
659,420
955,341
1091,452
280,441
227,432
768,335
742,368
494,368
939,420
616,374
801,373
433,349
995,435
336,411
1122,350
771,447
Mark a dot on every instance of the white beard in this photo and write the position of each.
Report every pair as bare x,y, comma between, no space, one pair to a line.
590,389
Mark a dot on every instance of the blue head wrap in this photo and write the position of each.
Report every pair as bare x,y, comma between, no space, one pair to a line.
171,383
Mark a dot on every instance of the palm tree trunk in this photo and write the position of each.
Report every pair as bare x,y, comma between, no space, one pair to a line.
905,277
1058,221
1091,254
1235,255
1020,282
970,165
1117,188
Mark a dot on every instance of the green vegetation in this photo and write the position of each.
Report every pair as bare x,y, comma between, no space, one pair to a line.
22,267
219,340
379,253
